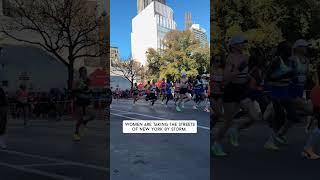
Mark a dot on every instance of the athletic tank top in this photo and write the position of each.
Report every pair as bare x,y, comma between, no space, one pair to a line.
135,90
300,69
279,75
153,89
184,83
242,76
163,85
177,87
198,84
168,88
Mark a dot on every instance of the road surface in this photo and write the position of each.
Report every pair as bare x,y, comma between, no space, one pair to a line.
250,161
44,150
158,156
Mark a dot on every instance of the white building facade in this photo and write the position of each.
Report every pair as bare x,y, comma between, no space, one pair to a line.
149,28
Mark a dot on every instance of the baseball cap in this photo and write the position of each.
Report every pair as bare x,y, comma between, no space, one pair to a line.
237,39
301,43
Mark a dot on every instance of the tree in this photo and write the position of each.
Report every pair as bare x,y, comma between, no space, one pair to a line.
154,63
67,29
182,53
264,22
129,69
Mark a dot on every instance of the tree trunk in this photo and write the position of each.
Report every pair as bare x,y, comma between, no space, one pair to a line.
131,83
70,75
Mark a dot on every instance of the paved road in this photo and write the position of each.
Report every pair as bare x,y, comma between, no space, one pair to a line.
250,161
45,151
158,156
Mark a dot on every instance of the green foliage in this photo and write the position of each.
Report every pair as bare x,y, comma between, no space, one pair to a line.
265,22
183,53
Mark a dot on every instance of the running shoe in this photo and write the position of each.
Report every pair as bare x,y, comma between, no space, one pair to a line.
194,107
310,155
76,137
234,136
182,105
206,110
178,109
282,140
271,146
162,103
217,150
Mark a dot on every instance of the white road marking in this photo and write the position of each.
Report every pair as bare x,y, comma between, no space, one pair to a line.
123,116
47,164
33,171
154,117
56,160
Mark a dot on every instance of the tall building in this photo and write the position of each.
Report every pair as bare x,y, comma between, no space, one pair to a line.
142,4
199,34
114,54
149,28
188,20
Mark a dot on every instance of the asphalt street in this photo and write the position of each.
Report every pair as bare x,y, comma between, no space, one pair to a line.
158,156
250,161
44,150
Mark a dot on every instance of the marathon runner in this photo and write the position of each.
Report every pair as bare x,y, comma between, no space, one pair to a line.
163,90
177,86
183,92
236,74
147,90
168,91
217,88
278,78
117,94
153,93
22,102
135,93
83,96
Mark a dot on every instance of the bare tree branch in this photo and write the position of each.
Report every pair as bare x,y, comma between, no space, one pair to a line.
68,29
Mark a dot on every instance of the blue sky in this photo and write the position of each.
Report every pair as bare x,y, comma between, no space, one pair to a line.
122,11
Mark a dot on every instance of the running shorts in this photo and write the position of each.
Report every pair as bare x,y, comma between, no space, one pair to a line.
296,91
183,90
235,93
278,92
152,96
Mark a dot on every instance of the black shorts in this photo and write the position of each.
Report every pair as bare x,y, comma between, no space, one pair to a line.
152,96
183,90
169,96
83,102
235,93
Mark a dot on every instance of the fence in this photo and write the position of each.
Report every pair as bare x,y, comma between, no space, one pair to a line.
59,110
